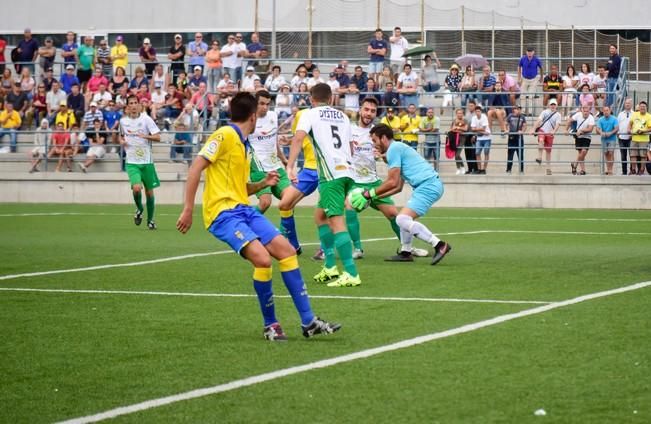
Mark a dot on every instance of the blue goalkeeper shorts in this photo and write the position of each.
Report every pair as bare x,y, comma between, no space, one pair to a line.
425,195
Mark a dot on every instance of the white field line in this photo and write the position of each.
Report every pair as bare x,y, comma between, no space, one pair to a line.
325,363
222,252
365,216
227,295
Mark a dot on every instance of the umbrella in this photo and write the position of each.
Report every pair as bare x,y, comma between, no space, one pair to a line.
473,60
418,51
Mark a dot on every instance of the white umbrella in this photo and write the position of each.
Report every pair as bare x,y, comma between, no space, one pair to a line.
472,60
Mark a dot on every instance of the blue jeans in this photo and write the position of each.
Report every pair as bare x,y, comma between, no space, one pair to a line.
408,99
185,149
611,85
214,75
13,137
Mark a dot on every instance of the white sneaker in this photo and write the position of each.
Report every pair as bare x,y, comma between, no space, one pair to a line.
460,171
358,254
419,253
5,149
82,167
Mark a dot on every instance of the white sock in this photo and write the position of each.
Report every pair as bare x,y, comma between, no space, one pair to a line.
407,224
405,240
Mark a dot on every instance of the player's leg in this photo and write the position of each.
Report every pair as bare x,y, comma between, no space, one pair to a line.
327,239
390,211
135,179
264,201
150,181
352,225
287,222
292,194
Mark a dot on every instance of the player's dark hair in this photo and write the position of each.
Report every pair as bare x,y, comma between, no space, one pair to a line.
262,93
371,100
321,92
382,130
132,96
243,106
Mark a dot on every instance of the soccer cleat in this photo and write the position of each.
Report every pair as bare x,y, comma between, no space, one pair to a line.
442,249
346,280
326,274
151,225
137,218
319,255
402,256
319,326
299,251
274,333
358,254
419,253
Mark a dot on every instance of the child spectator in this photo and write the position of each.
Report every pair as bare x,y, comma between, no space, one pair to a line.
40,142
182,143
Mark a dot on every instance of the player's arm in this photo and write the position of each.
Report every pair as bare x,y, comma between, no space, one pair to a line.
281,154
294,151
184,222
392,185
270,180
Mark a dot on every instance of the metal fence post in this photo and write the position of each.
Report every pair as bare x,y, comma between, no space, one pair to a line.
463,30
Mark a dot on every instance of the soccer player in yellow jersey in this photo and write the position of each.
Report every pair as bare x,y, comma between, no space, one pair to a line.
227,215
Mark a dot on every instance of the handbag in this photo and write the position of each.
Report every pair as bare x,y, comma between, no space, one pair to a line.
543,123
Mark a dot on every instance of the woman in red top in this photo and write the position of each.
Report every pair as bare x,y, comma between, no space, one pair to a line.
39,104
61,147
94,82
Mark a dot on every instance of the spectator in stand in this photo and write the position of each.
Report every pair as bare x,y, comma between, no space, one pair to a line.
223,87
457,138
39,104
452,82
334,87
92,87
351,102
86,56
214,64
248,81
359,78
147,55
177,56
53,99
479,125
144,98
409,125
120,53
46,54
517,125
159,77
429,74
600,84
197,52
241,53
182,143
377,48
69,79
639,127
471,140
399,46
229,54
552,84
582,137
69,50
65,116
390,98
342,78
203,101
104,60
371,91
3,45
486,85
118,80
78,141
393,122
173,102
315,78
570,85
528,78
158,103
76,102
284,102
6,82
429,126
587,98
10,122
623,135
275,80
299,78
190,119
614,65
111,124
586,76
41,140
254,51
408,86
27,51
182,84
498,107
19,100
545,128
139,80
90,116
96,137
121,98
61,147
385,78
607,126
48,79
509,85
196,79
309,67
469,86
27,83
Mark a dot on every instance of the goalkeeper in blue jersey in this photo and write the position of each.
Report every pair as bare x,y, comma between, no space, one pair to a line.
405,164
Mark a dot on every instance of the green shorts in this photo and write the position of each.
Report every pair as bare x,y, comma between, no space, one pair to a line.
144,174
375,202
332,195
276,190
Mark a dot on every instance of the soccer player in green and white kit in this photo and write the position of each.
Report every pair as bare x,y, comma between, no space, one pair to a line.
267,157
366,178
329,130
137,131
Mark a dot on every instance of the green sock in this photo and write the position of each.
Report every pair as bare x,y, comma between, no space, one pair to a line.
150,208
345,250
352,221
137,197
395,227
328,243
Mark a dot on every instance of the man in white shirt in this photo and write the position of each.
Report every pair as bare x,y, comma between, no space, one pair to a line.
623,135
399,46
231,57
582,137
479,125
248,81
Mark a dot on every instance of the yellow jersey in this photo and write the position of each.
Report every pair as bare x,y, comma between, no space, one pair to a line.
67,119
309,159
119,50
394,124
10,120
640,122
409,124
227,174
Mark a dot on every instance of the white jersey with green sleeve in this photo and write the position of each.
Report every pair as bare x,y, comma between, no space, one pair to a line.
330,132
137,148
363,158
264,141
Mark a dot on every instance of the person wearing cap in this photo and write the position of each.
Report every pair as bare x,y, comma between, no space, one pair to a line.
274,80
92,114
248,80
582,137
27,51
517,125
158,96
528,69
65,116
68,78
86,56
10,122
147,55
196,78
48,79
46,54
197,52
69,49
96,137
119,53
545,127
176,55
103,58
393,121
452,82
214,64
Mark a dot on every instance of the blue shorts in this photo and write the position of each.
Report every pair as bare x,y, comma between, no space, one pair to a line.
375,67
483,146
308,181
241,225
425,195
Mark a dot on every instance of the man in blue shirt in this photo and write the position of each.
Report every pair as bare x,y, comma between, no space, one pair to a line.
377,48
613,67
69,49
27,51
405,164
527,73
608,126
342,78
255,50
